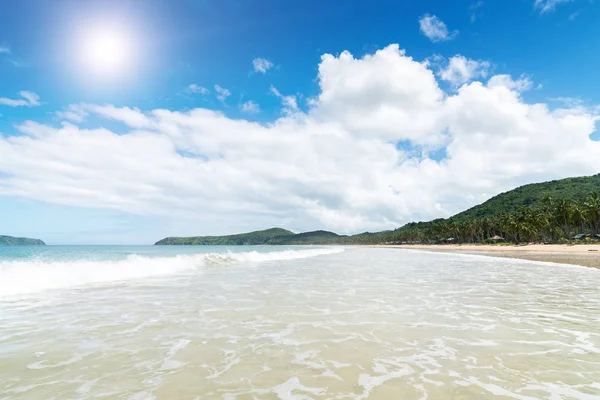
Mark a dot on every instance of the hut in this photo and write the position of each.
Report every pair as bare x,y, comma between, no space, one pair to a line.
581,236
497,238
446,240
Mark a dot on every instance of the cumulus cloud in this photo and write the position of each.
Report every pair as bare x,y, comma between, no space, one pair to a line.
29,99
435,29
461,70
347,163
250,107
262,65
222,93
386,95
198,89
545,6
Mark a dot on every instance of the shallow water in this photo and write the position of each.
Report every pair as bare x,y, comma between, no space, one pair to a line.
297,324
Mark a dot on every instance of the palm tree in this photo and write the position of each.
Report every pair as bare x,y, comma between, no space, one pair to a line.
577,217
563,214
592,210
548,202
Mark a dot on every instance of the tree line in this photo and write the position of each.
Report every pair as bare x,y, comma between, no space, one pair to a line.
551,221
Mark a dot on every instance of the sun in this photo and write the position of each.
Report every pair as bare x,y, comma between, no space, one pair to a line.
106,51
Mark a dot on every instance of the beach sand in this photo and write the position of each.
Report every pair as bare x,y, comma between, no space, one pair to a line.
586,255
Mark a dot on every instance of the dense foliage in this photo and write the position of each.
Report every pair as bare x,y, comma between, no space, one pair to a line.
553,221
548,212
16,241
278,236
576,189
251,238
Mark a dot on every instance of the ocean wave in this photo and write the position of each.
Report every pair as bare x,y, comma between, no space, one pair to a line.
19,277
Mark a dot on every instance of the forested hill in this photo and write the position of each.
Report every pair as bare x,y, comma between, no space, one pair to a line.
550,212
16,241
576,189
277,236
250,238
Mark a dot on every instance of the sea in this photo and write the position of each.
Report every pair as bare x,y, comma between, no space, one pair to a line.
301,323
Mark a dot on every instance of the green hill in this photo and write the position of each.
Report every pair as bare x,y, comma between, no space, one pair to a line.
250,238
315,237
531,195
17,241
543,212
277,236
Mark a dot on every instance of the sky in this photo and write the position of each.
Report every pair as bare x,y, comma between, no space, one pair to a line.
122,122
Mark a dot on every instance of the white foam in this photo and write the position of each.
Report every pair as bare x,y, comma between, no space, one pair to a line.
18,277
43,365
285,391
255,256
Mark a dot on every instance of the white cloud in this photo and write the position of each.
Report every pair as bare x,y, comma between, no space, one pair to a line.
222,93
250,107
74,112
461,70
473,9
132,117
544,6
6,55
386,95
289,102
347,164
262,65
570,102
29,99
435,29
198,89
520,85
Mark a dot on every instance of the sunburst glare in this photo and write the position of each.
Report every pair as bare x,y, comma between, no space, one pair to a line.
106,51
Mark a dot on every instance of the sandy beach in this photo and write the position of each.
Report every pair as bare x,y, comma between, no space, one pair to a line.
586,255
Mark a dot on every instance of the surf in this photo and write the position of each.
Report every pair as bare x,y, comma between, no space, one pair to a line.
33,275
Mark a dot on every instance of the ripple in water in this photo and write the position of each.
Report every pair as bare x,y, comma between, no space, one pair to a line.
361,324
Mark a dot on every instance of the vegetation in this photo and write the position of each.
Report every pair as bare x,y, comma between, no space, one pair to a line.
549,212
16,241
251,238
278,236
576,189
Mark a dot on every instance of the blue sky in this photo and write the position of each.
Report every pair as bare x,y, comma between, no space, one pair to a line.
549,44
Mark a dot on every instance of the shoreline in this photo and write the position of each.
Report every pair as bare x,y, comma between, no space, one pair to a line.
587,255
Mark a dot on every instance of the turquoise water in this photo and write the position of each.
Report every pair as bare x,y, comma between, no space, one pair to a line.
102,253
30,270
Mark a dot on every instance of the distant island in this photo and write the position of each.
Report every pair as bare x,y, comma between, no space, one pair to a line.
19,241
559,211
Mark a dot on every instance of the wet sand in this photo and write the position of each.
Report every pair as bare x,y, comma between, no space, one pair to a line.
585,255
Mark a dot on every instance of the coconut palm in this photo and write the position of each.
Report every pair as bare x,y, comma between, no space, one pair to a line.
592,210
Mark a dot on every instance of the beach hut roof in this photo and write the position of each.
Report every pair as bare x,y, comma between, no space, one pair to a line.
581,236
